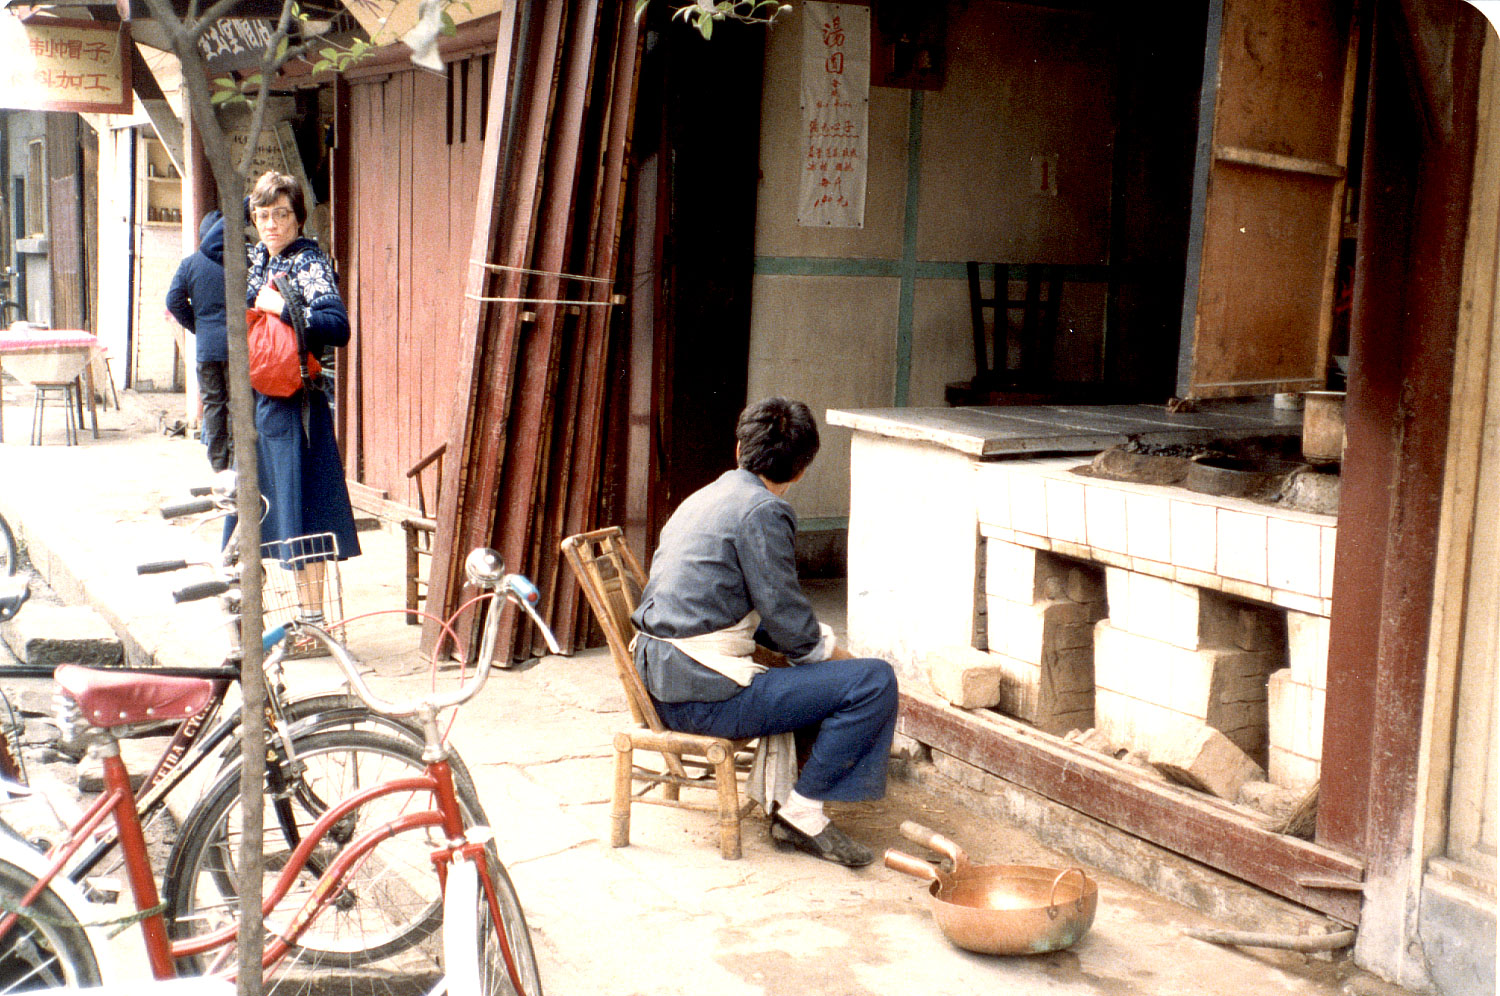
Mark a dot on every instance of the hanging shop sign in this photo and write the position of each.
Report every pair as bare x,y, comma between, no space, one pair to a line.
835,114
232,43
60,65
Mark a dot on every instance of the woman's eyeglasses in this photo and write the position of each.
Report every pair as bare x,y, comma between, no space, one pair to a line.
278,215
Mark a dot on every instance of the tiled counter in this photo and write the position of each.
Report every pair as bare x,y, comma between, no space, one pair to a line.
1139,609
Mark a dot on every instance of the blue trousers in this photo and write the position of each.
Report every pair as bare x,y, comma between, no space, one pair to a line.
846,707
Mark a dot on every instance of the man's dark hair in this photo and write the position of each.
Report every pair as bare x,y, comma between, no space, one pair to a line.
778,438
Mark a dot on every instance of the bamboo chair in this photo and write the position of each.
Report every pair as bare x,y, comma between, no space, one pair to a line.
612,579
420,530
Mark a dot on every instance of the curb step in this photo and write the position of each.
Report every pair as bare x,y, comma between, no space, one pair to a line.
53,634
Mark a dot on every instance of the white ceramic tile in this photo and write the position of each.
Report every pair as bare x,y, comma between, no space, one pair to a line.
1291,771
1302,721
1194,536
1104,518
992,496
1281,708
1117,595
1065,514
1148,523
1328,541
1112,665
1293,552
1192,677
1028,504
1242,546
1307,648
1010,571
1016,629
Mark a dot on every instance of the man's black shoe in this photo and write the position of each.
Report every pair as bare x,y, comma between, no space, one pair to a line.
830,844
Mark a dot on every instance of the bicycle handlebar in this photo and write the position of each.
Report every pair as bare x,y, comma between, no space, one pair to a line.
161,567
484,569
203,589
181,508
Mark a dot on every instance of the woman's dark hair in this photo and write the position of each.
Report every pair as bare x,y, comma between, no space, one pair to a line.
778,438
272,185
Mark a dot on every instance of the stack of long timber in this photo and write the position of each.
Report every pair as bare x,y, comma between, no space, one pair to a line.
527,424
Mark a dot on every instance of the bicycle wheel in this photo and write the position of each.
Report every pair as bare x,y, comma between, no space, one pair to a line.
473,950
46,949
10,554
379,930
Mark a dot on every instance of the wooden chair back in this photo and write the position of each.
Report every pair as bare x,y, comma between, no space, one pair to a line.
612,580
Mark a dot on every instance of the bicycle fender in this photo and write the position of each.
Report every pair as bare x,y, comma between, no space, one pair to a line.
35,863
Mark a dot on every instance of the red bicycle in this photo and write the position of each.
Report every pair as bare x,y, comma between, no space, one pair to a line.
398,862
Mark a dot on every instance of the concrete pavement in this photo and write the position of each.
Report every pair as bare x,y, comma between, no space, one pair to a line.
665,915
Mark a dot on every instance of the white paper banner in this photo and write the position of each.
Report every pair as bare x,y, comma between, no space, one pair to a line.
835,112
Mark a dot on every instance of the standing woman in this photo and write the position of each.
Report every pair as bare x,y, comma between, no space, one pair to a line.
301,473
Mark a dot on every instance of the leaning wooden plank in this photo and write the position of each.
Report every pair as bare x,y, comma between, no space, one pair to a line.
535,389
584,485
1202,830
503,218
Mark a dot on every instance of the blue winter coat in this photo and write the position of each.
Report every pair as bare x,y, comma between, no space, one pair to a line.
301,473
196,296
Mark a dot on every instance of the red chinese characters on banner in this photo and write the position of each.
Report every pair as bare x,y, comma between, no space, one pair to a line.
832,131
835,106
60,65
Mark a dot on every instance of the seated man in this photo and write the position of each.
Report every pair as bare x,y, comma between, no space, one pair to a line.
725,577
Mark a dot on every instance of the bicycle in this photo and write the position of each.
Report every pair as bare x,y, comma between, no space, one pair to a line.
10,554
314,744
485,941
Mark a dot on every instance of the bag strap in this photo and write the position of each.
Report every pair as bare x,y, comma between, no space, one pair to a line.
297,308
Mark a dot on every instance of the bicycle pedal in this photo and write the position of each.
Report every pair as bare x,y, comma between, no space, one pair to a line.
101,890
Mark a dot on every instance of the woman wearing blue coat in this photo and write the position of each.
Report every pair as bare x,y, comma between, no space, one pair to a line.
301,473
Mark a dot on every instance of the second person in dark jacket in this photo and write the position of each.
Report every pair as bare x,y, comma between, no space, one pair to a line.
196,299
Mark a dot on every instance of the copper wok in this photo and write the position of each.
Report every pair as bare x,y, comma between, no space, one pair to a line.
1001,909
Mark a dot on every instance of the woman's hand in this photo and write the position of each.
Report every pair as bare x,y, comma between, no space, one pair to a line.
269,300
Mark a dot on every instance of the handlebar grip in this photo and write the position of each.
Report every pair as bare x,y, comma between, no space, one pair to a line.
524,589
201,491
181,508
203,589
161,567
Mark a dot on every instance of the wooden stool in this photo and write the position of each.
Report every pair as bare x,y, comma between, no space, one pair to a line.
67,393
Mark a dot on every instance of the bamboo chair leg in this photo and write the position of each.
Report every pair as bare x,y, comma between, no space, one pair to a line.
729,802
619,811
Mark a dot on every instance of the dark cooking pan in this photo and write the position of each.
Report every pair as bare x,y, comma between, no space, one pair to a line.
1001,909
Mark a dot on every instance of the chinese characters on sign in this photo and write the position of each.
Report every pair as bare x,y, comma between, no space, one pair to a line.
235,43
57,65
835,112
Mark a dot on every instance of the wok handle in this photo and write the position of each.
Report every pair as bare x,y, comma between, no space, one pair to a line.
1052,894
903,862
932,840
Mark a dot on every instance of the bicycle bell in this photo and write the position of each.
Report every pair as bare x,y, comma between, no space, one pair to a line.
484,567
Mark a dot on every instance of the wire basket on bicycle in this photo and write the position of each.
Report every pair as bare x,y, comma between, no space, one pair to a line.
302,582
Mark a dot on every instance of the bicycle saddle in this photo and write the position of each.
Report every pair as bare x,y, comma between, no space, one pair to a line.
111,698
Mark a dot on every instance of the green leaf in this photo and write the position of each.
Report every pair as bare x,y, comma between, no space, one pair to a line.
254,79
640,8
225,83
705,25
450,27
224,96
329,53
281,49
322,65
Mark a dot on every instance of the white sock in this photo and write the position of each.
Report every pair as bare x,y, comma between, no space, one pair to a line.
803,813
